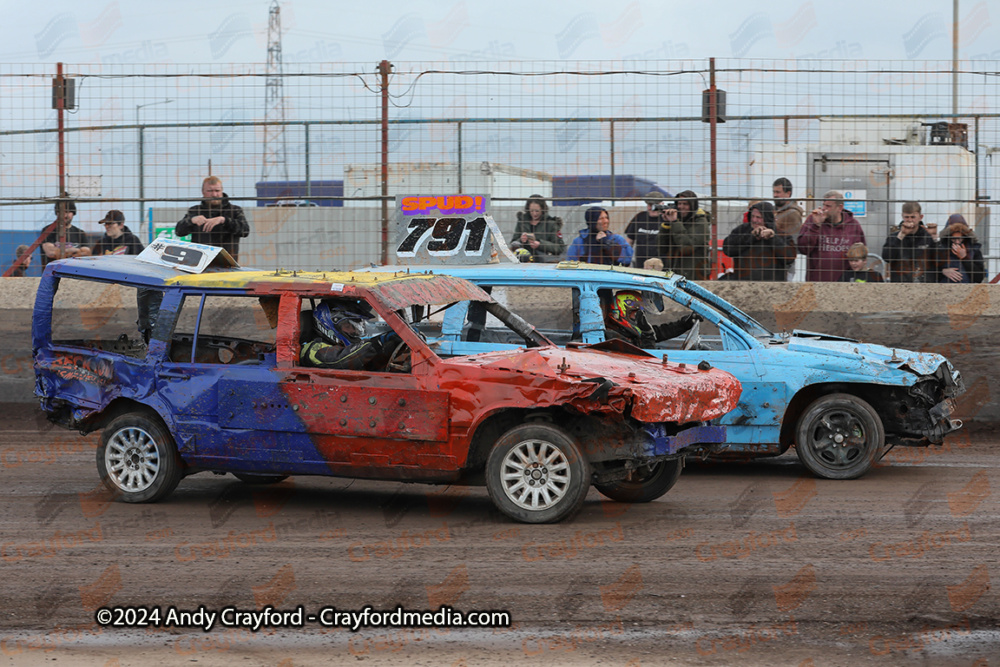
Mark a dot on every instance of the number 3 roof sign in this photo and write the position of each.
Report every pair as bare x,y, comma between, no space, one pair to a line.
450,229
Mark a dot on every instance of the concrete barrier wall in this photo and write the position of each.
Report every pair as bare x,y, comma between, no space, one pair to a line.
959,321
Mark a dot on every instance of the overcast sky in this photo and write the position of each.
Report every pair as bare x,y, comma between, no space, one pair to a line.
184,31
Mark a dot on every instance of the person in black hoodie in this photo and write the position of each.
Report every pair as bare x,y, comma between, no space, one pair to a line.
215,221
118,239
759,252
909,248
960,254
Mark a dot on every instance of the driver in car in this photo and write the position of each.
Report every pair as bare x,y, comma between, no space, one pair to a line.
624,318
340,342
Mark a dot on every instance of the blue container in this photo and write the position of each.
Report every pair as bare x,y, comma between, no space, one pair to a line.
293,193
579,190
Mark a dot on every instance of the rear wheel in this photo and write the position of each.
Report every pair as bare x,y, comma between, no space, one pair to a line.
137,459
645,483
839,436
537,474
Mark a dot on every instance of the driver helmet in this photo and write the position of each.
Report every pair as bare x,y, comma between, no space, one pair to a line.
625,311
341,322
524,255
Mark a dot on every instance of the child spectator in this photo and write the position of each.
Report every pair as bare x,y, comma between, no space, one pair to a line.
857,259
19,271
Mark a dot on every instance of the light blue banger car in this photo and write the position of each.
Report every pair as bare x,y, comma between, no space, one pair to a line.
843,404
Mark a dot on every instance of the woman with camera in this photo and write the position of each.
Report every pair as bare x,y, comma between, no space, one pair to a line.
685,233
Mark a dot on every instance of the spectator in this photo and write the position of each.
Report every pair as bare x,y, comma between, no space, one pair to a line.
537,231
596,244
684,237
66,240
118,239
857,260
909,247
961,257
215,221
653,264
340,343
643,229
788,215
825,237
20,270
759,252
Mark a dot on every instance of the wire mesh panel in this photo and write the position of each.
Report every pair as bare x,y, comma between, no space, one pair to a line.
312,167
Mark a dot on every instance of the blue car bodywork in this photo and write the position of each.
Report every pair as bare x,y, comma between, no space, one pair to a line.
840,401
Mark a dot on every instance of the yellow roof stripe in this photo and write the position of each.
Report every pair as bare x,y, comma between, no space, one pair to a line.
244,278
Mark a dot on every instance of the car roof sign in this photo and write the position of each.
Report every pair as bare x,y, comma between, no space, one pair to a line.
186,256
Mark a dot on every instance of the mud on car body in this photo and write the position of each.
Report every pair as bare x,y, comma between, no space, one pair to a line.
840,402
220,388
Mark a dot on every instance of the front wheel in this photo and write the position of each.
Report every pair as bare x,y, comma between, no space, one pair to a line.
645,483
137,459
839,436
537,474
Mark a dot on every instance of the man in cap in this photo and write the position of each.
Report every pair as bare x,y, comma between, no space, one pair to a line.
118,239
857,259
644,228
66,240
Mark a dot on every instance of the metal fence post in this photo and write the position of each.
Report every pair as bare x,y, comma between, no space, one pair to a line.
712,136
384,68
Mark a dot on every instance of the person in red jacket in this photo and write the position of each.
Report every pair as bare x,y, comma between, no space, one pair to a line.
825,238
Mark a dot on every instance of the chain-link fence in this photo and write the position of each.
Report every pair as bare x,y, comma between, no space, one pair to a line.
313,152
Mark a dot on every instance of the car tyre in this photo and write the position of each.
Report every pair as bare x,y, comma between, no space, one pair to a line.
536,473
253,478
645,483
839,436
137,459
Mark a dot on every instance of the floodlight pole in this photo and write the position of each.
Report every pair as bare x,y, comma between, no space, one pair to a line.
954,59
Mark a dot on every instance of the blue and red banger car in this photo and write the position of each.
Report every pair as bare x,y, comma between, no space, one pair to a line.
840,402
220,387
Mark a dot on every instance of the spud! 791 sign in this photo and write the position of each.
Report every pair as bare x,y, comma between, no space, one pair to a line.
452,229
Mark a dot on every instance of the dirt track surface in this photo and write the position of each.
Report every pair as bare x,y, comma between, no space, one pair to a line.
750,564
